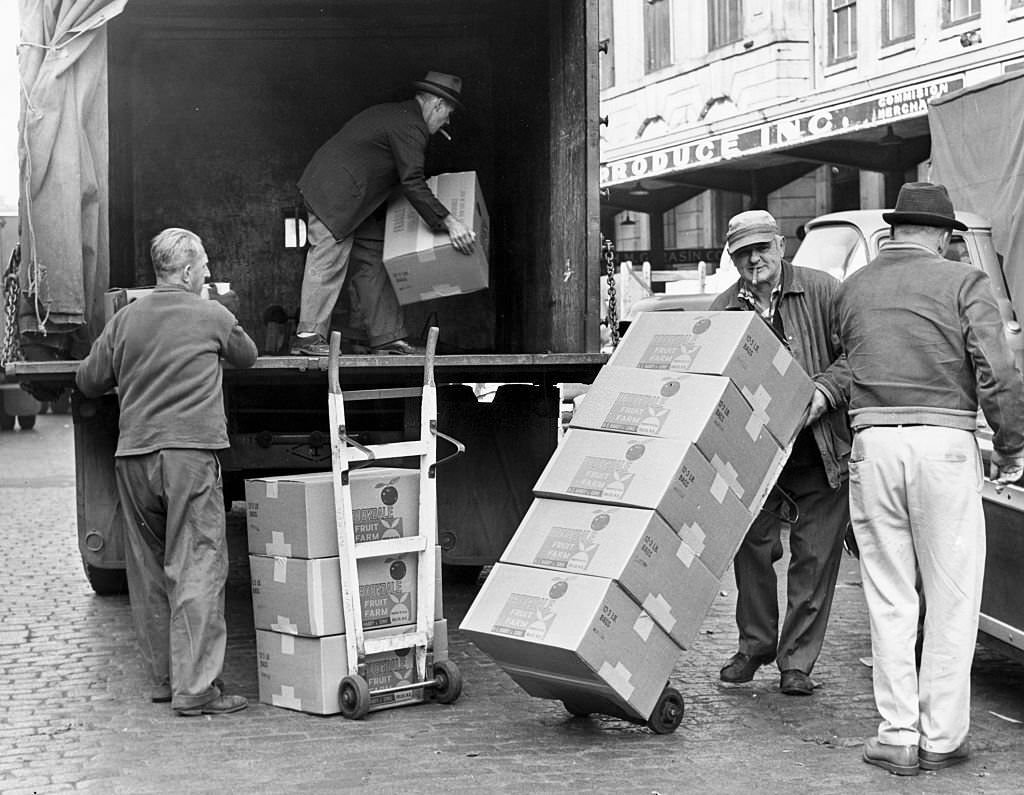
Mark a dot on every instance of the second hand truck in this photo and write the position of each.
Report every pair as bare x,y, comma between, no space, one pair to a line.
436,679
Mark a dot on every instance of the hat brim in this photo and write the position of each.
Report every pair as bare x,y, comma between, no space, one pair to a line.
439,91
750,239
923,219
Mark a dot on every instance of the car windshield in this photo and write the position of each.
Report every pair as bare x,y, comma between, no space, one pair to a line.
837,249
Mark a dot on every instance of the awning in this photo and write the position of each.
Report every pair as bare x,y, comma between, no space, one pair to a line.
882,131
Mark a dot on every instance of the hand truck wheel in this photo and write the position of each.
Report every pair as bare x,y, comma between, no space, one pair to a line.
449,682
668,712
575,711
354,697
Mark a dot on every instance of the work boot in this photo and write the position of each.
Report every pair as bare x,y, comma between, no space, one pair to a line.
742,667
794,682
901,760
309,345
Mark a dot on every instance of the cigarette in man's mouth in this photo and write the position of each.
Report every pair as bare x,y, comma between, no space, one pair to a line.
445,134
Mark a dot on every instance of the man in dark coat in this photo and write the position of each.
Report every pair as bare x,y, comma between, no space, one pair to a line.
345,187
796,303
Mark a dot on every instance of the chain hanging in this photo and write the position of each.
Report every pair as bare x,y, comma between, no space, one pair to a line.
612,315
10,351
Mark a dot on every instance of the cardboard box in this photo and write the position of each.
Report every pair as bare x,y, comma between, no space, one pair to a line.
707,410
632,546
293,515
304,674
297,596
667,475
423,264
739,345
572,637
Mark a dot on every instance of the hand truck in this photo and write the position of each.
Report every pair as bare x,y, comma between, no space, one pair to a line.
438,680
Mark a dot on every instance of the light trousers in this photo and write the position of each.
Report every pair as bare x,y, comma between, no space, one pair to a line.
177,562
915,504
357,264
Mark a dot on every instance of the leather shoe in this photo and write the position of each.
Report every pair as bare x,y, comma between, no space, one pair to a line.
932,760
900,760
313,345
794,682
221,705
397,348
742,667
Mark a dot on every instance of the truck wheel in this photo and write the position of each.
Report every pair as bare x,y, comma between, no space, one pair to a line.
27,421
106,582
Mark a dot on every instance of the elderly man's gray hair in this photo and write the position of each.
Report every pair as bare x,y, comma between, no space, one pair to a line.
173,249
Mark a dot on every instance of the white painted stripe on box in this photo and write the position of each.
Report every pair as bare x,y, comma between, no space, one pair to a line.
284,624
685,554
280,569
271,489
719,488
316,599
658,607
643,625
286,698
754,426
287,645
782,360
277,545
618,677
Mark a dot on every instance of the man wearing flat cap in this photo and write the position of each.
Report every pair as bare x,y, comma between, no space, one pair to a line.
811,492
924,343
345,188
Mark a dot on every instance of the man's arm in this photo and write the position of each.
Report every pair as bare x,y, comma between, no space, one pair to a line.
95,374
409,145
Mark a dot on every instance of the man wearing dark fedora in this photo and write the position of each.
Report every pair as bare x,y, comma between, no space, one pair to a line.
923,339
345,188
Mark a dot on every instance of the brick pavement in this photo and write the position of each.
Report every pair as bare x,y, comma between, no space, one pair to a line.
74,717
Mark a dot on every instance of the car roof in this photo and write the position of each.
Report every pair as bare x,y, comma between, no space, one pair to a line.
871,220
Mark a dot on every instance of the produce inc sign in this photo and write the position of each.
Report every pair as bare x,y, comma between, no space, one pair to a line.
903,103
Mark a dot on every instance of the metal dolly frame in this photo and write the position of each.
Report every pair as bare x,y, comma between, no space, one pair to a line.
444,682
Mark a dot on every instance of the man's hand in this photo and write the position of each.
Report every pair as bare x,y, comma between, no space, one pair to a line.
1005,468
819,405
462,237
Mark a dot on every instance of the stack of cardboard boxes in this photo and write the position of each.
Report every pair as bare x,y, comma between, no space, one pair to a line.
296,584
641,509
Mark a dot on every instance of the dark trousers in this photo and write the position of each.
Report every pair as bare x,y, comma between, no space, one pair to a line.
816,547
177,563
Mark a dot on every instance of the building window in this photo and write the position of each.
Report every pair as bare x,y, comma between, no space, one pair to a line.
897,21
956,11
842,30
725,22
607,55
657,34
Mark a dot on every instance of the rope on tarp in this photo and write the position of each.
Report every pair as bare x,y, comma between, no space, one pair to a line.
37,270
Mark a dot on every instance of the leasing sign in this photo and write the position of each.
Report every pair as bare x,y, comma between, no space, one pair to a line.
885,108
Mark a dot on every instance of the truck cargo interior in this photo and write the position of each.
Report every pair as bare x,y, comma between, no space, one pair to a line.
222,156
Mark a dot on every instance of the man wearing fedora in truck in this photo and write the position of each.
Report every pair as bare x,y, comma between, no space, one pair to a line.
924,342
345,188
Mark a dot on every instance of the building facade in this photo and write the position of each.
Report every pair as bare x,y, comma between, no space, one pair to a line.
800,107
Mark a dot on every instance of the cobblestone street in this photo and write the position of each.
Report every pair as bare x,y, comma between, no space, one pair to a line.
75,714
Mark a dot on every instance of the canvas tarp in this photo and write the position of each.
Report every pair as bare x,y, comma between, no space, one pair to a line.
978,154
63,159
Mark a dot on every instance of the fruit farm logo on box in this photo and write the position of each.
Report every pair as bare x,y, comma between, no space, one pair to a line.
530,616
669,352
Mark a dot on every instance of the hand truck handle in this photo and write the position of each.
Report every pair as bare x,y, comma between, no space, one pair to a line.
334,385
428,364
